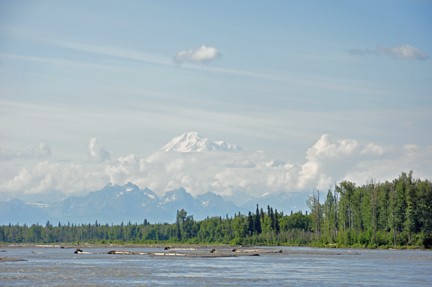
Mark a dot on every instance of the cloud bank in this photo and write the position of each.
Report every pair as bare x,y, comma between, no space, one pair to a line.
328,161
401,51
200,55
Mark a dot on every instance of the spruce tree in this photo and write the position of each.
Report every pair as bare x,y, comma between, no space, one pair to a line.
276,222
250,224
272,219
257,221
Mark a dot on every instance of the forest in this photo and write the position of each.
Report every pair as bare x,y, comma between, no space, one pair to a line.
396,214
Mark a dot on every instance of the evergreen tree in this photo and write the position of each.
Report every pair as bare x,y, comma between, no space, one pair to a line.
276,229
257,221
250,224
272,219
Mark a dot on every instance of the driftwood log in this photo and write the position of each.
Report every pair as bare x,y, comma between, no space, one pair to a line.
257,250
121,252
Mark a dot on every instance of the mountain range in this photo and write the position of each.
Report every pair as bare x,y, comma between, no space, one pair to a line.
114,204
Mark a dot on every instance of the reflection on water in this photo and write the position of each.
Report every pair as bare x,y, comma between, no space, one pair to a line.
63,267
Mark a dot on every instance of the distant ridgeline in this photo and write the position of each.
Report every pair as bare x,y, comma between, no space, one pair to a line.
372,215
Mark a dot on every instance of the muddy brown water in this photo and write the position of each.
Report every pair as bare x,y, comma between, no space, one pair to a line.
294,266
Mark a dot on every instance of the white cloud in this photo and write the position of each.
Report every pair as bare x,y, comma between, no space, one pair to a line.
45,177
97,152
41,151
375,149
199,172
328,161
200,55
401,51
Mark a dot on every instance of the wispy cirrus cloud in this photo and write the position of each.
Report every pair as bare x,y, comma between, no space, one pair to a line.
401,51
201,55
115,52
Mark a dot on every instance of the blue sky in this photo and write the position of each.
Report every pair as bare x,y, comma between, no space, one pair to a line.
285,74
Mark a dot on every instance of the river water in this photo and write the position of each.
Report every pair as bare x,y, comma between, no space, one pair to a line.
294,266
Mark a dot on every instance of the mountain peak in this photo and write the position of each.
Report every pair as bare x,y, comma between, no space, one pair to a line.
193,142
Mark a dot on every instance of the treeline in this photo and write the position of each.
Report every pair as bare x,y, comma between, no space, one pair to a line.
371,215
375,214
266,228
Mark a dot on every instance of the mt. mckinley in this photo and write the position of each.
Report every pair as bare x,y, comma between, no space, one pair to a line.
212,173
192,142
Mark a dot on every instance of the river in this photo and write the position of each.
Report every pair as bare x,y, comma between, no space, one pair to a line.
294,266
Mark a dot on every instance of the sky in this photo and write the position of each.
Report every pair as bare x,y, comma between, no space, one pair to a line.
91,90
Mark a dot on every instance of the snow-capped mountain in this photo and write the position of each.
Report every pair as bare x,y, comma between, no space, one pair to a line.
193,142
178,199
114,204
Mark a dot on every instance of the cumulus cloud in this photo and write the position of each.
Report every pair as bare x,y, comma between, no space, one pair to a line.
401,51
45,177
328,161
200,55
41,151
97,152
221,173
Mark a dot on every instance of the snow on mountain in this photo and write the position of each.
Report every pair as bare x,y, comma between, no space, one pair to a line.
150,195
193,142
